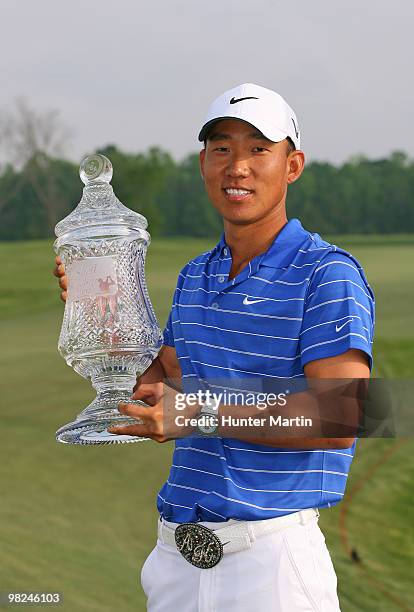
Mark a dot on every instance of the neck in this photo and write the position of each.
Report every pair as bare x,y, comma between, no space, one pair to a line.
248,241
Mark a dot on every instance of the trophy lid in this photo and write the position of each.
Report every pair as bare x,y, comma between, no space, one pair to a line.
99,205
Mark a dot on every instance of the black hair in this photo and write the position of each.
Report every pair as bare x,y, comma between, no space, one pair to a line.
291,145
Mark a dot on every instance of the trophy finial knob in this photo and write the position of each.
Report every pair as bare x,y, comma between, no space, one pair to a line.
95,168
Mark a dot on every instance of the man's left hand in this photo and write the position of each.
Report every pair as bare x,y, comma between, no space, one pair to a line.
158,421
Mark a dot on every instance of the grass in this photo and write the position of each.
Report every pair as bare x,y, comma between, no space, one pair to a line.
81,521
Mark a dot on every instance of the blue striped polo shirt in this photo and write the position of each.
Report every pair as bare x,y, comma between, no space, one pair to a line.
301,300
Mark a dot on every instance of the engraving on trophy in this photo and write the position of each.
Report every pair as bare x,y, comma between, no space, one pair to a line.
92,277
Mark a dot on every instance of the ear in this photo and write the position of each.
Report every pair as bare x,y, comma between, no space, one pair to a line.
201,160
296,164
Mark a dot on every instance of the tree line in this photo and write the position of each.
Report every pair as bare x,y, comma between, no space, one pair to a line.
360,196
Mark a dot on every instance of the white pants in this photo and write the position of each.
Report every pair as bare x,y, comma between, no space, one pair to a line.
286,571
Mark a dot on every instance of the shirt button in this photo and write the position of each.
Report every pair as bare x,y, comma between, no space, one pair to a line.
214,305
225,252
221,279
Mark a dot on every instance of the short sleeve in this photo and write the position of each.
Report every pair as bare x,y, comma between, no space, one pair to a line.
168,332
339,311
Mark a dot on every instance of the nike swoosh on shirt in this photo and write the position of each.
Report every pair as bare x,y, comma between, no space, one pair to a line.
247,302
338,328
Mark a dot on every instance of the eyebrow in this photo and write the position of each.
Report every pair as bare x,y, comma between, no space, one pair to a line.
221,136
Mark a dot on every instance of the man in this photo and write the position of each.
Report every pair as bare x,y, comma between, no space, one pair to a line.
270,302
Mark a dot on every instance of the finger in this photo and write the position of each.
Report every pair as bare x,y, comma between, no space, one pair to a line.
144,390
147,397
63,296
150,387
134,410
137,384
59,271
58,260
63,282
129,430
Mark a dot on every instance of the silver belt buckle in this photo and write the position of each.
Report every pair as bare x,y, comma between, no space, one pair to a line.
198,545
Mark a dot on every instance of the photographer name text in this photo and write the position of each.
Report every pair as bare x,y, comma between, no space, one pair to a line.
207,420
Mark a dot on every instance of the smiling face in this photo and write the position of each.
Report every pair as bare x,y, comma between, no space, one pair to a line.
246,175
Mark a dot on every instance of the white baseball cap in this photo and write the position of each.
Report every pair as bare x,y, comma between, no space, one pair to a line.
263,108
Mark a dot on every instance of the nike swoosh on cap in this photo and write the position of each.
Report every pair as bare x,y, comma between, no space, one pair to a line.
296,129
235,100
247,302
338,328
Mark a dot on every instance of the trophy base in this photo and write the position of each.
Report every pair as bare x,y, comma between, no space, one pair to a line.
91,426
76,433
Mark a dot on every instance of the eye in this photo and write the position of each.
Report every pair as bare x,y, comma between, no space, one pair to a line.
259,149
221,149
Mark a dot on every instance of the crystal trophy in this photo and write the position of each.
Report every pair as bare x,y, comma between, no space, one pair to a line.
109,333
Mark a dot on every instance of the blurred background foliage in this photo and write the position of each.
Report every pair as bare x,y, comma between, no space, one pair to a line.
38,187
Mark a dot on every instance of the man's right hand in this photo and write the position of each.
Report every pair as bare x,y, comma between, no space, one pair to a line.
59,272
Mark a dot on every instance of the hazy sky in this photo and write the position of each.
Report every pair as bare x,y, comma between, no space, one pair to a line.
139,73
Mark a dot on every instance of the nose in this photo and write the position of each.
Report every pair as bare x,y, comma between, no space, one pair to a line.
237,168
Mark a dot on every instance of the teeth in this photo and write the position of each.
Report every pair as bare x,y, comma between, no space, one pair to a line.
237,191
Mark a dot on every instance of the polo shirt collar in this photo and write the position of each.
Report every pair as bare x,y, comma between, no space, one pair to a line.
282,250
217,251
222,244
285,246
